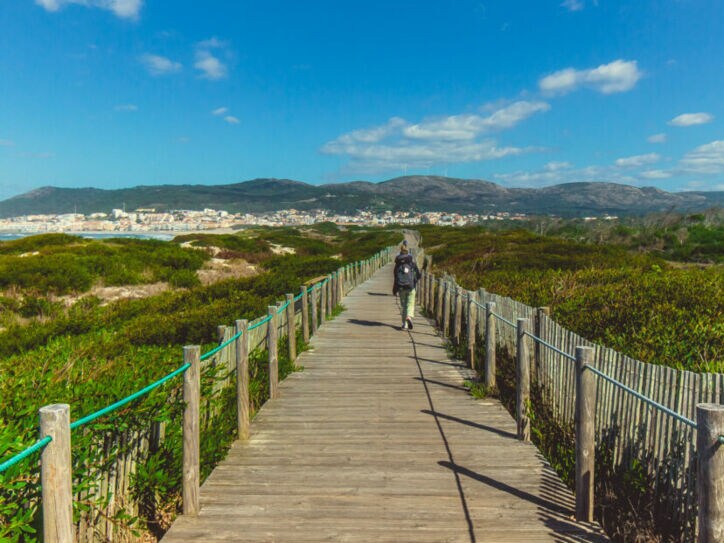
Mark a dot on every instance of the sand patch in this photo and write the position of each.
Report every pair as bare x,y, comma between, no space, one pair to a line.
218,269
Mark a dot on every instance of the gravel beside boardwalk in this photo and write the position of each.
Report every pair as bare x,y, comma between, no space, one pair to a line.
377,440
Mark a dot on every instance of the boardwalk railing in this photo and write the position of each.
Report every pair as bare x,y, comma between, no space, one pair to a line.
306,310
665,422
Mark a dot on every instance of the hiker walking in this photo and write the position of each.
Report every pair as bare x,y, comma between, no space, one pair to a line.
406,275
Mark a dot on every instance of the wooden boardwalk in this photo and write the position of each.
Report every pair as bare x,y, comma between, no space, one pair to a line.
377,440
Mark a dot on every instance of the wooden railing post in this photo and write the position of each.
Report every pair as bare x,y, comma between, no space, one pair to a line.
271,345
305,313
480,315
458,315
55,474
490,345
330,294
334,285
315,317
522,397
585,438
281,321
223,355
420,289
439,296
446,310
340,285
242,378
432,296
537,348
471,328
291,328
323,303
710,472
191,431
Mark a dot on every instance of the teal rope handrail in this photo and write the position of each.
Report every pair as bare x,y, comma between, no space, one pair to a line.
506,321
261,322
128,399
282,308
645,399
551,347
215,350
10,462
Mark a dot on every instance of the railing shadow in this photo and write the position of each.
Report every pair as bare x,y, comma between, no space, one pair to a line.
441,383
470,423
555,515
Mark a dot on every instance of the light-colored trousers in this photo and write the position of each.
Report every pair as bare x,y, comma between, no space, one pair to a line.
407,303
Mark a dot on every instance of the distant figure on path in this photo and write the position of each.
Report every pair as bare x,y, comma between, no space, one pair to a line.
406,275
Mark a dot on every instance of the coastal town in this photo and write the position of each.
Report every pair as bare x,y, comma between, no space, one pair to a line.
151,220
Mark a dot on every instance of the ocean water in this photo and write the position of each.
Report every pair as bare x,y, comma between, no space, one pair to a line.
99,235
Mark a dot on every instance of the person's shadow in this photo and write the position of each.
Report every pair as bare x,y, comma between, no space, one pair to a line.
362,322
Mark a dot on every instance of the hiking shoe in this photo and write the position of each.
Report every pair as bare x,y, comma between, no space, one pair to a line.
404,326
409,323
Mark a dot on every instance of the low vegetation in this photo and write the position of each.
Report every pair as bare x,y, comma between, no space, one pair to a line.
90,354
637,303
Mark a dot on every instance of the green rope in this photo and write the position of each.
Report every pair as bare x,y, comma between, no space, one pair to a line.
10,462
215,350
258,324
282,308
506,321
128,399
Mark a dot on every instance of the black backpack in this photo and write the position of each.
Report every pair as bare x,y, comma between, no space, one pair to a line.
405,277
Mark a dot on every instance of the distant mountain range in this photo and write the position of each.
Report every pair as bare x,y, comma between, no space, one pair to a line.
414,192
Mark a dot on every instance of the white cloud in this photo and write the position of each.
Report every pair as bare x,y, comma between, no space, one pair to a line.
702,186
6,143
158,65
469,126
547,176
374,134
126,107
657,138
706,159
691,119
557,166
617,76
126,9
448,140
210,66
219,111
378,158
572,5
231,119
656,174
637,160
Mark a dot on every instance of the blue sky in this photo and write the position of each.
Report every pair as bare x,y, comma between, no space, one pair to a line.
118,93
